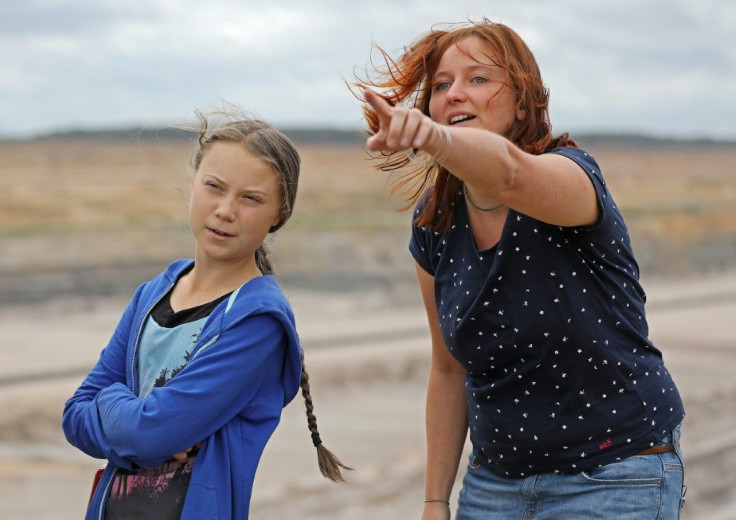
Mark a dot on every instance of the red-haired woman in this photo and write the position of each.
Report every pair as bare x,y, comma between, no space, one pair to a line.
539,342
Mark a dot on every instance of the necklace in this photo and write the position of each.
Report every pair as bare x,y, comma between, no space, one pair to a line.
467,196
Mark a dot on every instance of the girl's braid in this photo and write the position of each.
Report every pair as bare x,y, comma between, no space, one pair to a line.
329,464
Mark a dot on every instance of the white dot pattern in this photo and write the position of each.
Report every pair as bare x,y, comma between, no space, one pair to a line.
550,326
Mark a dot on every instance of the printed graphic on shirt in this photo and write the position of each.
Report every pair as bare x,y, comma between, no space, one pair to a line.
164,352
167,374
150,494
153,493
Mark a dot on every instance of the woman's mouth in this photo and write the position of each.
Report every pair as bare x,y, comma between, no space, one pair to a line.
460,118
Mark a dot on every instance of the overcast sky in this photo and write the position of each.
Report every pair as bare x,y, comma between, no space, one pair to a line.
662,67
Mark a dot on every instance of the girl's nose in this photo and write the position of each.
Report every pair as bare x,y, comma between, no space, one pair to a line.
225,209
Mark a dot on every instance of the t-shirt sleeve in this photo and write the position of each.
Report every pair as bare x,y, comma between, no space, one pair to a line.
607,206
421,244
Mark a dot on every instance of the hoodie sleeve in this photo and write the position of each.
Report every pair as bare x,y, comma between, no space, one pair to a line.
220,382
81,421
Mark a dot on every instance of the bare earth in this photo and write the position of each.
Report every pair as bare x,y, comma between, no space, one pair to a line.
368,361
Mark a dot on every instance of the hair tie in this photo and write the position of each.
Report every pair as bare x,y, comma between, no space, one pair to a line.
316,440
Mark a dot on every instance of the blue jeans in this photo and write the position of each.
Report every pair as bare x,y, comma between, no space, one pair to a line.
642,487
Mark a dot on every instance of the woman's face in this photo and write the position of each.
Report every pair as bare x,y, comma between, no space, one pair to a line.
236,199
468,89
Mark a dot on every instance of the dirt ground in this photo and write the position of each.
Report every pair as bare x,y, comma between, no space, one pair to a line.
367,357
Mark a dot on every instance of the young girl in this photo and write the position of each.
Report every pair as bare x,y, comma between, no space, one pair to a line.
185,396
540,344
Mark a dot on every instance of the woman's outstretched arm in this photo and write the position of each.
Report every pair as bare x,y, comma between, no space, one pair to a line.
548,187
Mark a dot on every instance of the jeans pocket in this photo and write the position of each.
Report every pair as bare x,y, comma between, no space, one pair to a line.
643,470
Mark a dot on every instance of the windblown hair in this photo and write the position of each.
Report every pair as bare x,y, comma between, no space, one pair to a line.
408,81
275,149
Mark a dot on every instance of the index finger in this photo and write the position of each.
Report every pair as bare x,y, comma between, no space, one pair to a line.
377,102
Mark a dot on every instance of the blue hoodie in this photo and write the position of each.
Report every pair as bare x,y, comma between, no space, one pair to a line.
245,368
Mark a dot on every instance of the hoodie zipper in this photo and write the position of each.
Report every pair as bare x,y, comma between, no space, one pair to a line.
103,500
133,377
132,385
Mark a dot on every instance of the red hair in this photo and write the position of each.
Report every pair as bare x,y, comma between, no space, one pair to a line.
407,80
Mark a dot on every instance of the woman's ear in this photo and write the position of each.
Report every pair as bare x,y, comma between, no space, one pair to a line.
520,114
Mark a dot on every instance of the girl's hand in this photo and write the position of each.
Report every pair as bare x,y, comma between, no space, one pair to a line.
183,456
399,127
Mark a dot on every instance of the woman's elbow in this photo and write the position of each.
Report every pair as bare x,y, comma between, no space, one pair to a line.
445,365
509,167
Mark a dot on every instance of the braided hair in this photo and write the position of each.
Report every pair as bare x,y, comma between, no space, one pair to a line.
276,150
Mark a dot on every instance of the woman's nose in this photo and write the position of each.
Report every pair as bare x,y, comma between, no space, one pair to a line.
455,92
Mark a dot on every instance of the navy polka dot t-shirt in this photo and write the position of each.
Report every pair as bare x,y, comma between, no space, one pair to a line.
550,326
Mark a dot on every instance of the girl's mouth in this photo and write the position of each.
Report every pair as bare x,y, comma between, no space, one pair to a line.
219,233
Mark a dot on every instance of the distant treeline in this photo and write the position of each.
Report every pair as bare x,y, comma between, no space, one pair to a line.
332,136
598,140
298,135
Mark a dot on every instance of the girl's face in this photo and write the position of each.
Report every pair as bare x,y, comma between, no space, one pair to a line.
236,198
468,89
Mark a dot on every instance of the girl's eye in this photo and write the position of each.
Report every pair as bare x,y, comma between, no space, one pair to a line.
251,198
479,79
212,185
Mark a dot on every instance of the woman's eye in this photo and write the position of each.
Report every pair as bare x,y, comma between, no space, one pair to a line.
479,79
442,85
212,185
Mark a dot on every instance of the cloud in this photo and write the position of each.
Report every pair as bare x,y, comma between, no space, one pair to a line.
621,65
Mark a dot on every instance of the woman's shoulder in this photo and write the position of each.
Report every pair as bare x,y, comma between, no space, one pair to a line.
579,155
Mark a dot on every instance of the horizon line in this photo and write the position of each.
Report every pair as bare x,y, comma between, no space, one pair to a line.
333,132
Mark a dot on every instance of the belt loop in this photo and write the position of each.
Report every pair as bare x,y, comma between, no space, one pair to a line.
676,434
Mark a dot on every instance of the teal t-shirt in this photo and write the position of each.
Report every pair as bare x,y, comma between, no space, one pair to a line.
165,349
